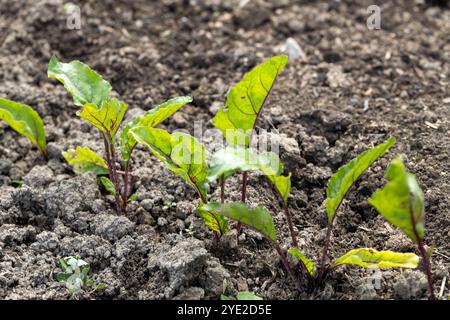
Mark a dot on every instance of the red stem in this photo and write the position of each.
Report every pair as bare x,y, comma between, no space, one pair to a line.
125,187
110,161
325,252
243,196
222,189
423,253
291,225
283,257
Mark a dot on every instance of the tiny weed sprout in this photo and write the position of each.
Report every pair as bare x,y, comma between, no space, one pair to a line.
25,120
401,202
76,275
241,296
92,93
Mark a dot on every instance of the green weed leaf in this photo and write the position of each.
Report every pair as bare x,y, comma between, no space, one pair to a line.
109,186
216,222
371,258
83,159
246,295
151,118
107,118
181,153
83,83
345,177
246,99
25,120
258,218
301,257
394,201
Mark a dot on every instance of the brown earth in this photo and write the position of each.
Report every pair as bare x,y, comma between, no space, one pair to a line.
355,88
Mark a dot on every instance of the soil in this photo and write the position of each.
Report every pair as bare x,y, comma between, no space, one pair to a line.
353,88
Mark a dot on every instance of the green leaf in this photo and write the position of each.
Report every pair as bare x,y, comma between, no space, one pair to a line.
25,120
246,295
246,99
17,182
109,186
224,297
371,258
100,286
401,201
133,197
258,218
234,158
345,177
181,153
151,118
301,257
85,85
282,184
64,264
214,221
83,159
63,277
158,114
107,118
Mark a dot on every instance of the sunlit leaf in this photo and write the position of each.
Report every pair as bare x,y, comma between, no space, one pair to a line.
282,184
216,222
345,177
85,85
158,114
25,120
107,118
258,218
246,99
181,153
83,159
151,118
233,158
401,201
301,257
224,297
109,186
371,258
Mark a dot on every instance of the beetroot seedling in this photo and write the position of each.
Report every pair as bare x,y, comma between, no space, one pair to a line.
341,182
338,186
401,202
91,92
244,105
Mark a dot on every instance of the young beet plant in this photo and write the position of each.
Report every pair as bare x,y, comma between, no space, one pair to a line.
25,120
186,156
401,202
338,186
92,93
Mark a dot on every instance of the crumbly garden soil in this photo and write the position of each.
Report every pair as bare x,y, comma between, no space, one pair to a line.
354,88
